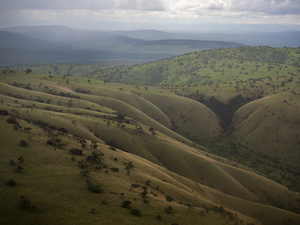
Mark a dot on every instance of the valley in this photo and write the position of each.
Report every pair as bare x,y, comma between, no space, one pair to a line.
208,137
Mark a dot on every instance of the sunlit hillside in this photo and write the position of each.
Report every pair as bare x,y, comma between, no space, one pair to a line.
80,149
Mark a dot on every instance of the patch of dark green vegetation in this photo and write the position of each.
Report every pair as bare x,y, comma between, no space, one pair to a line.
223,111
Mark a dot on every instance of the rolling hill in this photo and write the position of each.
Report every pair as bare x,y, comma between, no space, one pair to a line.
208,67
94,150
225,80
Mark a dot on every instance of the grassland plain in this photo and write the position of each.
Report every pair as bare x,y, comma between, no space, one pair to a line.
86,109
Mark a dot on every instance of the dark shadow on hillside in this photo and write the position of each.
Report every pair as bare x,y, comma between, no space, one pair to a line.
223,111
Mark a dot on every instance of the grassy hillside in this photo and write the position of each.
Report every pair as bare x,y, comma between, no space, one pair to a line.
225,80
270,127
56,190
71,117
210,67
67,69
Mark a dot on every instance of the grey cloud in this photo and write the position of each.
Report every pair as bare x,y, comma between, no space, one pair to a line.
218,5
144,5
267,6
147,5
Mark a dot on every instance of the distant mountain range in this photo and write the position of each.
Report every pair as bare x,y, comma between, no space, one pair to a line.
59,44
280,38
56,44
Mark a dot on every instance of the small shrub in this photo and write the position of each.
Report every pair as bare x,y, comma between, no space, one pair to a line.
25,204
129,166
112,144
95,158
75,151
21,159
158,217
3,112
12,120
51,142
120,116
135,185
93,210
136,212
114,169
28,70
169,198
63,130
82,164
126,204
169,209
95,145
11,183
144,193
95,188
23,143
27,129
145,201
85,173
112,148
19,169
12,162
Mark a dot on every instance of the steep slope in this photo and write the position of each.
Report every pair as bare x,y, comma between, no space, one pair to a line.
55,191
51,103
270,127
224,80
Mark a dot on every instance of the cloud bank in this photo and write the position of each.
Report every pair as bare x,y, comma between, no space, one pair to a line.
172,6
150,11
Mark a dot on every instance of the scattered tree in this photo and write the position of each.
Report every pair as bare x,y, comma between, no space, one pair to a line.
75,151
136,212
126,204
169,209
11,183
169,198
19,169
23,143
28,70
21,159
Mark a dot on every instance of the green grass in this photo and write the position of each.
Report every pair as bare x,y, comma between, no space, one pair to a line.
88,108
210,67
53,183
71,69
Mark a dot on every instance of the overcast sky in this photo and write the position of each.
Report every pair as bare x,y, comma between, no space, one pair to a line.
147,14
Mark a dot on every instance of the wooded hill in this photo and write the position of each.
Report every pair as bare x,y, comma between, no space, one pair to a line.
79,150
